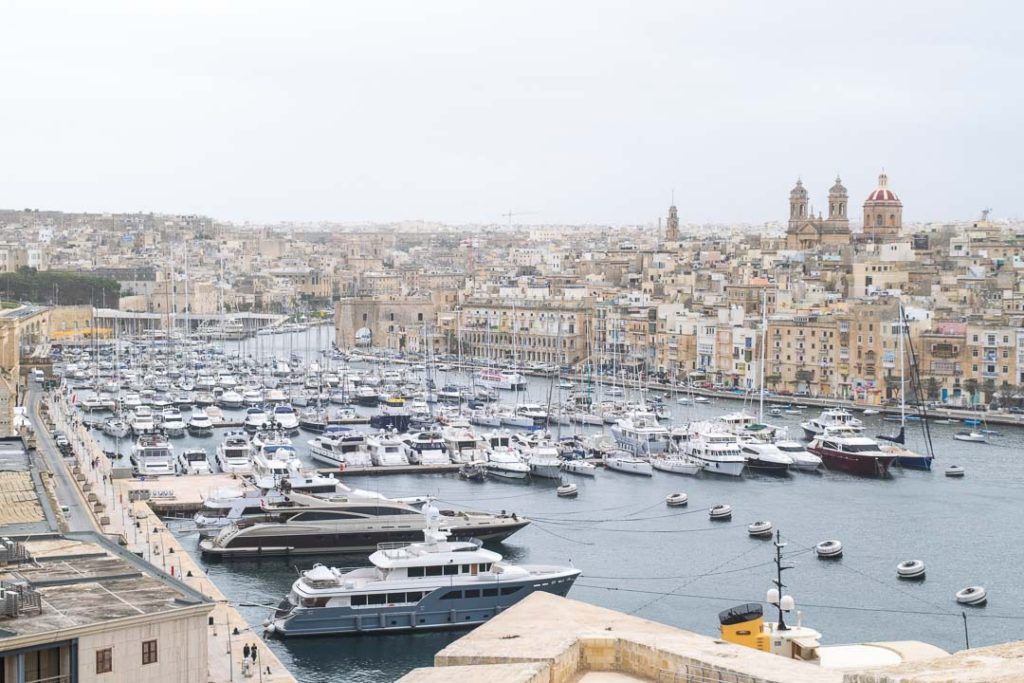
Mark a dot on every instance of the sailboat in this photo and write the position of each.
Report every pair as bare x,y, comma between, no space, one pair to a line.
895,444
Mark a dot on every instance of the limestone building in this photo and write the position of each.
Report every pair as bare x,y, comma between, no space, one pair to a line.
883,212
807,231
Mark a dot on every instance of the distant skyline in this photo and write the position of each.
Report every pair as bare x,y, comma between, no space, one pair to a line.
455,112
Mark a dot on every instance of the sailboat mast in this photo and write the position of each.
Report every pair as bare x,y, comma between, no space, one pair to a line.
764,340
903,402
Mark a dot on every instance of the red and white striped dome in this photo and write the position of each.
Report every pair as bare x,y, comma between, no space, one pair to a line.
883,193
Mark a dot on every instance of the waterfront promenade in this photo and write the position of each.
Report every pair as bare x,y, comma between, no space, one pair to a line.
96,501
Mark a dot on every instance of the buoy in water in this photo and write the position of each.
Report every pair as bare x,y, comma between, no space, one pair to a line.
910,569
972,595
720,512
762,527
829,550
567,490
676,499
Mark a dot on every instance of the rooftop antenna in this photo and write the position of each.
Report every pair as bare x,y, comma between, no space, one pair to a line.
510,213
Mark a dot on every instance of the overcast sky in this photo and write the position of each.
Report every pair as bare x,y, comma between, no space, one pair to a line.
577,112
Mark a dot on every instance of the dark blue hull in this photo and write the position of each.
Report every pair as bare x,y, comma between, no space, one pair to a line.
438,610
912,463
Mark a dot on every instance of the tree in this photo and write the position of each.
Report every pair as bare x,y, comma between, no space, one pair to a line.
988,388
1005,391
970,388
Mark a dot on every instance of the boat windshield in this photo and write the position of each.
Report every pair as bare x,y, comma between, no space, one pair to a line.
861,448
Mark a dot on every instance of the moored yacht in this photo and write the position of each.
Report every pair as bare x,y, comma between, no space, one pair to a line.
387,451
432,584
255,419
624,461
849,452
802,458
508,380
199,423
152,455
285,418
718,452
829,419
193,461
463,444
641,434
141,420
348,525
427,448
341,447
766,457
502,460
233,453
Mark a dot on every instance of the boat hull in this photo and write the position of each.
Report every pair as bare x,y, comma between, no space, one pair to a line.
852,463
321,541
430,613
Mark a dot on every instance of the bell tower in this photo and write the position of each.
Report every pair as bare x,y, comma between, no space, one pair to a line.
798,205
672,225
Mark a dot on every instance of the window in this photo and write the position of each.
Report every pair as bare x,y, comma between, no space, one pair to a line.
509,590
452,595
434,571
376,599
105,660
450,569
415,572
465,569
358,600
490,592
396,597
148,652
473,593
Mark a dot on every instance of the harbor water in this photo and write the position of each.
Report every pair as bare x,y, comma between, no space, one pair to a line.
675,566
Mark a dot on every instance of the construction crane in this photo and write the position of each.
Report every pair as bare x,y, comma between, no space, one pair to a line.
510,213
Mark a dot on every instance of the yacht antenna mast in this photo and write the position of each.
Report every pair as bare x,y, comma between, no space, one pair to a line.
779,568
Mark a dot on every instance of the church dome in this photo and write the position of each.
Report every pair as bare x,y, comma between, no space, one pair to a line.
883,193
798,191
838,188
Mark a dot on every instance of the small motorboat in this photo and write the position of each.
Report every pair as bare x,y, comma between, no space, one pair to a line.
970,435
760,528
869,411
579,467
475,470
676,500
975,596
567,490
701,399
720,512
684,400
775,411
829,550
945,421
955,471
910,569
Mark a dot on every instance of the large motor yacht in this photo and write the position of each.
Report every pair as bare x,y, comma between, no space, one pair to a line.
199,423
233,453
842,450
432,584
387,450
766,458
152,455
509,380
463,444
427,448
502,460
718,451
641,434
348,525
341,447
828,419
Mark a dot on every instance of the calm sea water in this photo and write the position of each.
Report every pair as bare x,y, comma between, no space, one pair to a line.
675,566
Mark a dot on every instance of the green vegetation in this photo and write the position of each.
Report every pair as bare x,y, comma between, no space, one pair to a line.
59,288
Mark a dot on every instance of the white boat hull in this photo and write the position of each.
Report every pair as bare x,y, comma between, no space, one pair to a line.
676,466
